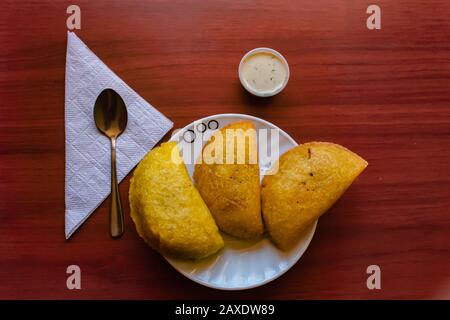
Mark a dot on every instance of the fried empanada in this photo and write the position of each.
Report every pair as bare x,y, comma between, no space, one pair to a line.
229,182
167,209
310,179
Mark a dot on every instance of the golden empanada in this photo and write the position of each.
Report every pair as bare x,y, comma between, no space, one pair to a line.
167,209
229,182
310,179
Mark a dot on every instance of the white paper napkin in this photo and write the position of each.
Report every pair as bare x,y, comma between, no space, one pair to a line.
88,162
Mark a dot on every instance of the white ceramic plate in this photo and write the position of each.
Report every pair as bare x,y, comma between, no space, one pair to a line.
241,264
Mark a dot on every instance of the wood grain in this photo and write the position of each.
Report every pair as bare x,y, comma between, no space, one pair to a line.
384,94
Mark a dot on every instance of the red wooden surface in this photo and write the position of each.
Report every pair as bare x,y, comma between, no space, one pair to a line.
384,94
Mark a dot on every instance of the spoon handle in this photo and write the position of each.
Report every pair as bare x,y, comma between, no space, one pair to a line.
115,213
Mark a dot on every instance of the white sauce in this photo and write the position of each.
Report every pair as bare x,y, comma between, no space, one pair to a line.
263,72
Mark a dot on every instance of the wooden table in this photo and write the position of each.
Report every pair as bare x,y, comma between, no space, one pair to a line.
383,93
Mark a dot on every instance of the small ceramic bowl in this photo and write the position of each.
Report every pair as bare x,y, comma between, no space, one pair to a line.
253,90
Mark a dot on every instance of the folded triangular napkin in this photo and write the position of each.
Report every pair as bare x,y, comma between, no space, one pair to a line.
88,162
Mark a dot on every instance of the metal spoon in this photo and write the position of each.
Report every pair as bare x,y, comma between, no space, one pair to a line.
110,114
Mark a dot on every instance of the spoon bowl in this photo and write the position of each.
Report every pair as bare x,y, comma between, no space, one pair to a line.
110,113
111,117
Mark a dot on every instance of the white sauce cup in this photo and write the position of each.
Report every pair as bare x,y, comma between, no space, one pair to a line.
253,90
